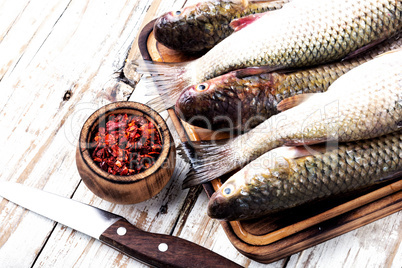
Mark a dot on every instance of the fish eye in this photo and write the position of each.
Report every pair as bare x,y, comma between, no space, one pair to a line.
201,87
177,13
228,190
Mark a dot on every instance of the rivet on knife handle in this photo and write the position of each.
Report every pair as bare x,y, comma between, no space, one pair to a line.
161,250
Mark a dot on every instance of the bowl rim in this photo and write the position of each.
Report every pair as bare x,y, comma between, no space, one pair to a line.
121,107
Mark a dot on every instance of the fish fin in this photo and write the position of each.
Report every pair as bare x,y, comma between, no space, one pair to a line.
292,152
169,79
390,52
240,2
208,159
240,23
302,142
186,154
241,73
293,101
391,176
245,3
265,1
304,150
363,49
295,152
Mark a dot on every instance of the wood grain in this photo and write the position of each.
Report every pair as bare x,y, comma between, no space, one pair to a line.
241,233
161,250
49,48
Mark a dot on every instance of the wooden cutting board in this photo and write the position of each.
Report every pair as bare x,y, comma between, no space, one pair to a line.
268,239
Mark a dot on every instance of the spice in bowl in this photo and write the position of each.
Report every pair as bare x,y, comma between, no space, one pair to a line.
126,145
125,153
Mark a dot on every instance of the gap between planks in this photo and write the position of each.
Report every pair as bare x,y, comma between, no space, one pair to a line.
53,229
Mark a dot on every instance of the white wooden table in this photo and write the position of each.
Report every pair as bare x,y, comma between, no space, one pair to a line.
60,60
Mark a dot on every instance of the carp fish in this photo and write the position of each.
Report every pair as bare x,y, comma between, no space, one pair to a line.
236,102
302,33
364,103
291,176
200,27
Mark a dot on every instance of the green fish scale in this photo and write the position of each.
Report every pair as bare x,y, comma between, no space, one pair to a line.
367,105
353,166
299,46
361,116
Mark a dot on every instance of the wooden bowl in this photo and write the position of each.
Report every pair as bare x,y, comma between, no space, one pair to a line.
125,189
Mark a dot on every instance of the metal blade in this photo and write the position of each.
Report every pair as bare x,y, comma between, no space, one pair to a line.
79,216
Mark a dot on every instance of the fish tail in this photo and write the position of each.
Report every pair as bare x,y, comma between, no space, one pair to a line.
209,160
169,79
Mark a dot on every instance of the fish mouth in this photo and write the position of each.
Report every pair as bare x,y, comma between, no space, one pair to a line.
192,109
218,207
184,105
197,109
164,31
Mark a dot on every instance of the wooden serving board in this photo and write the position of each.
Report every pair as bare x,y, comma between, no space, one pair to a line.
269,239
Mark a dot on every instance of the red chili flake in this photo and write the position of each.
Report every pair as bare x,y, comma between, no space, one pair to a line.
128,145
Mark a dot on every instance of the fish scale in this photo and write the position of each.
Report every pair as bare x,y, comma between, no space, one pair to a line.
243,98
306,179
303,33
361,104
200,27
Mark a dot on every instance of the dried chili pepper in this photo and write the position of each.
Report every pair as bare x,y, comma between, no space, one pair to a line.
126,145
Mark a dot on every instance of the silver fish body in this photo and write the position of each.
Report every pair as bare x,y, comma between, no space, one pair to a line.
277,180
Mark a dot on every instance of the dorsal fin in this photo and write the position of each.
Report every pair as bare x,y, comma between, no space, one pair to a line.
293,101
280,2
240,23
295,152
304,142
241,73
363,49
245,3
242,2
396,50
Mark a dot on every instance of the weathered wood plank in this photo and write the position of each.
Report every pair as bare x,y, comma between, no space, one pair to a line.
86,69
53,47
21,17
157,8
375,245
208,232
80,53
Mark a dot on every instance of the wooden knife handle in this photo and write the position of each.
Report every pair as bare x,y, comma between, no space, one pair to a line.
161,250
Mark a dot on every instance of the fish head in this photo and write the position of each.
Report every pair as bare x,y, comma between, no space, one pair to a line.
195,28
193,103
178,16
202,104
251,191
232,200
222,202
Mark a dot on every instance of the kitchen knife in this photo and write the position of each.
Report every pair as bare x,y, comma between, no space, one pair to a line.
155,249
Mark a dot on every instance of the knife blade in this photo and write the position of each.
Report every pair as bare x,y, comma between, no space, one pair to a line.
158,250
